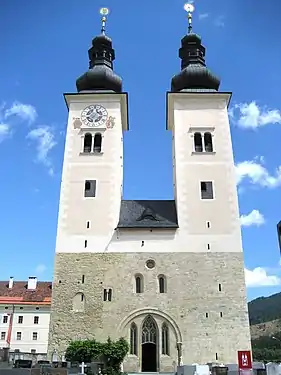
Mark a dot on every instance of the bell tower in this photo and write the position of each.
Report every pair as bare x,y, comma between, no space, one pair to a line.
206,195
92,177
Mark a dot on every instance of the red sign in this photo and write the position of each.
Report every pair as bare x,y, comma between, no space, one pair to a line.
244,359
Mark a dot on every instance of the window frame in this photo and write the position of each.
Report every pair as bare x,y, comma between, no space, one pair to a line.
18,336
213,190
91,189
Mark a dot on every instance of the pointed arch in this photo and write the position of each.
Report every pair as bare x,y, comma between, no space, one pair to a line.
208,142
78,303
165,339
134,339
162,283
198,144
97,142
149,332
139,283
88,140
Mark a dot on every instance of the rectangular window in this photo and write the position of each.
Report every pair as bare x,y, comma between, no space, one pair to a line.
206,190
3,335
18,335
5,319
36,320
107,294
33,351
34,336
90,188
20,319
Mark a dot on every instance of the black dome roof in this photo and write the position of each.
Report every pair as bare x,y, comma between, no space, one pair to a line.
100,76
194,74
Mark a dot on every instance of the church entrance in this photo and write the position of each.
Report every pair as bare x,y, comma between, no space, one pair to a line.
149,362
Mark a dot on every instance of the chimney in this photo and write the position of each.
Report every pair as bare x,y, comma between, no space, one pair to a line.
11,282
32,283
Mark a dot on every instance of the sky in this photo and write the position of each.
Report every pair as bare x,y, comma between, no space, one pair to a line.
44,48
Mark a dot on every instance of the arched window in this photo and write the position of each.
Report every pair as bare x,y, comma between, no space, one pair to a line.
149,331
88,143
79,302
97,142
198,145
208,142
165,339
133,339
162,284
139,283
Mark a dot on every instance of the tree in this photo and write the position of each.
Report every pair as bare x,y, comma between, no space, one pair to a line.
111,353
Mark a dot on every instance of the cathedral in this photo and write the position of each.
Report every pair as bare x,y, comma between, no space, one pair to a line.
167,275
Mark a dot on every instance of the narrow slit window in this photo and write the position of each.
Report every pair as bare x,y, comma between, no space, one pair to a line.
88,143
83,279
198,144
139,283
162,284
221,314
219,287
97,143
109,295
85,243
88,224
208,142
104,294
207,315
133,339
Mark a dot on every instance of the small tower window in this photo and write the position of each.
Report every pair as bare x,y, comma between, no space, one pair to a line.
139,283
133,339
206,190
88,143
198,145
90,188
208,142
162,284
97,143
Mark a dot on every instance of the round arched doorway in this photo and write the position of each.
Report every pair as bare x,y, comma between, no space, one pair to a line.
149,345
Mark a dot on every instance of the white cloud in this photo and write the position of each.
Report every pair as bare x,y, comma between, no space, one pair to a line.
257,174
251,115
203,16
4,131
25,112
219,21
253,218
40,269
259,277
45,139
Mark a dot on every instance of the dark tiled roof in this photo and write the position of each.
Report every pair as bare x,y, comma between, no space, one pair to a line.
19,290
148,214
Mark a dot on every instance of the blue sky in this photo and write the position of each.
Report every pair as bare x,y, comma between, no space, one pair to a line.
44,49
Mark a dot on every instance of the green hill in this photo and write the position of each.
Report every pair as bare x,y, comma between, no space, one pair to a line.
265,309
265,321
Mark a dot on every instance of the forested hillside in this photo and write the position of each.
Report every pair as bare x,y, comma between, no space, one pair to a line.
265,309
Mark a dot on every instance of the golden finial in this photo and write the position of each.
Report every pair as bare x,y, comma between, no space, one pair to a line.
103,12
189,8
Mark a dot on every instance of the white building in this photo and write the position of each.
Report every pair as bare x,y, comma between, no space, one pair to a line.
25,315
167,275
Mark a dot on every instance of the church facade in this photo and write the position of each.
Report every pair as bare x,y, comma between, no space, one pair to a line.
168,275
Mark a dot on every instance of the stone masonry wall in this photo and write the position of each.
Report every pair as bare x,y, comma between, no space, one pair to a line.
210,320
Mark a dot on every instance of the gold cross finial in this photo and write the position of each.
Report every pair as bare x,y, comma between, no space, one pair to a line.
189,8
103,12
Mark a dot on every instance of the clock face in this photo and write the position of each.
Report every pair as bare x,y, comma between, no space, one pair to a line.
94,115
